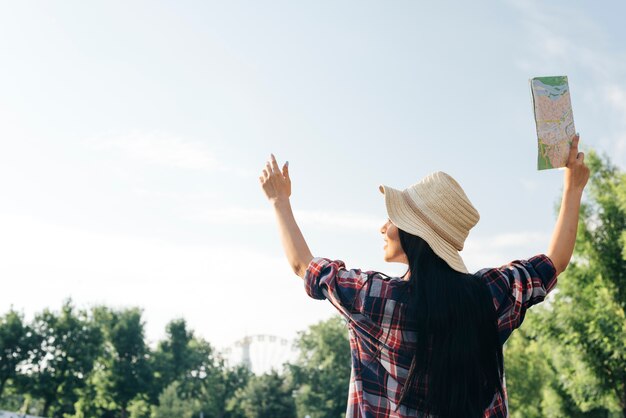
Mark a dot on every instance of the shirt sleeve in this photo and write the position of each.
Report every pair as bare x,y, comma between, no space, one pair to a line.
517,286
347,290
329,279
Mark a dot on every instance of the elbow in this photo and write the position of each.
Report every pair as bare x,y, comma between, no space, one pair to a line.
299,270
300,267
560,266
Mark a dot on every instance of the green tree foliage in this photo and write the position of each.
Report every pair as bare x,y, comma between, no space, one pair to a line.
266,396
184,358
534,389
578,339
124,371
218,388
588,322
99,366
17,342
172,405
172,359
94,399
209,397
198,373
526,370
139,407
69,343
321,374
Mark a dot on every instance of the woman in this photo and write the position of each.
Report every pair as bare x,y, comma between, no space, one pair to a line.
429,343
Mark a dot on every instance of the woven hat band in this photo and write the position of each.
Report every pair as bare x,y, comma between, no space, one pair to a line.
433,225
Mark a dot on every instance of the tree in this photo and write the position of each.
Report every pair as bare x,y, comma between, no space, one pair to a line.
321,374
583,330
94,399
219,389
124,370
69,343
171,358
17,342
527,370
200,374
266,396
209,394
172,405
140,407
533,384
180,357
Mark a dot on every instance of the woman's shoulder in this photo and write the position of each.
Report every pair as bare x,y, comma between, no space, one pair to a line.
384,286
390,280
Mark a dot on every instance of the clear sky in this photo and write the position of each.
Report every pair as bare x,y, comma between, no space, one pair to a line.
132,136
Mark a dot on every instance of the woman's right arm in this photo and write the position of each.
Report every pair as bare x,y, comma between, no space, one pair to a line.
564,235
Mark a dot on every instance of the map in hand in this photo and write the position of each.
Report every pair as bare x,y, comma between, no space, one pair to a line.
554,120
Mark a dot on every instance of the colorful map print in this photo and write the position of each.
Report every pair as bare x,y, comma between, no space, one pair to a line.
554,120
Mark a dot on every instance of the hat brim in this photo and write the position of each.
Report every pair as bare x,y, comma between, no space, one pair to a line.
402,216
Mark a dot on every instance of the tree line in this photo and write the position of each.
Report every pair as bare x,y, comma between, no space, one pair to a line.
76,363
568,359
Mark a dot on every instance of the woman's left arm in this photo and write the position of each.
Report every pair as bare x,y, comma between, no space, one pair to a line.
277,188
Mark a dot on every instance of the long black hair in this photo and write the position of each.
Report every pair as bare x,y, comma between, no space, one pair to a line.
458,353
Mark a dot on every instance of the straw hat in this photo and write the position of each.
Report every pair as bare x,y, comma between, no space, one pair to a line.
437,210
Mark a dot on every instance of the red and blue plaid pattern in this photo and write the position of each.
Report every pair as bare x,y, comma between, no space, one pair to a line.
375,307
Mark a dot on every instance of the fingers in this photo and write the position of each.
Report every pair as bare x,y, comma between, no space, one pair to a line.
274,164
271,167
573,150
580,157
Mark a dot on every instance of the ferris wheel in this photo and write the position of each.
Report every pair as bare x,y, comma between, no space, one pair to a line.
260,353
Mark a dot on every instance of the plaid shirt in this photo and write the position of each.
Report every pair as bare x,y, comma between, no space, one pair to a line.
374,306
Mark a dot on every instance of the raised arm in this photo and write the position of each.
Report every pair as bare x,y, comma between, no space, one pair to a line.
564,235
277,188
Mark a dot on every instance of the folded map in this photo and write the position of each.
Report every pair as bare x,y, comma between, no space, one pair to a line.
554,120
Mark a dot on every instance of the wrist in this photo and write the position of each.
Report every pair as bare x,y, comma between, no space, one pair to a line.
280,202
573,190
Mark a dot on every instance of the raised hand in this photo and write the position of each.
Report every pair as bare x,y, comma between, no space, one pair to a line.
276,184
576,172
277,188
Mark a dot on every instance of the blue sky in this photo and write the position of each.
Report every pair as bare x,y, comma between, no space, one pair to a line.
132,136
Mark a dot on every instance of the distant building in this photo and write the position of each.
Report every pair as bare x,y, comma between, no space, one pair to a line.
260,353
